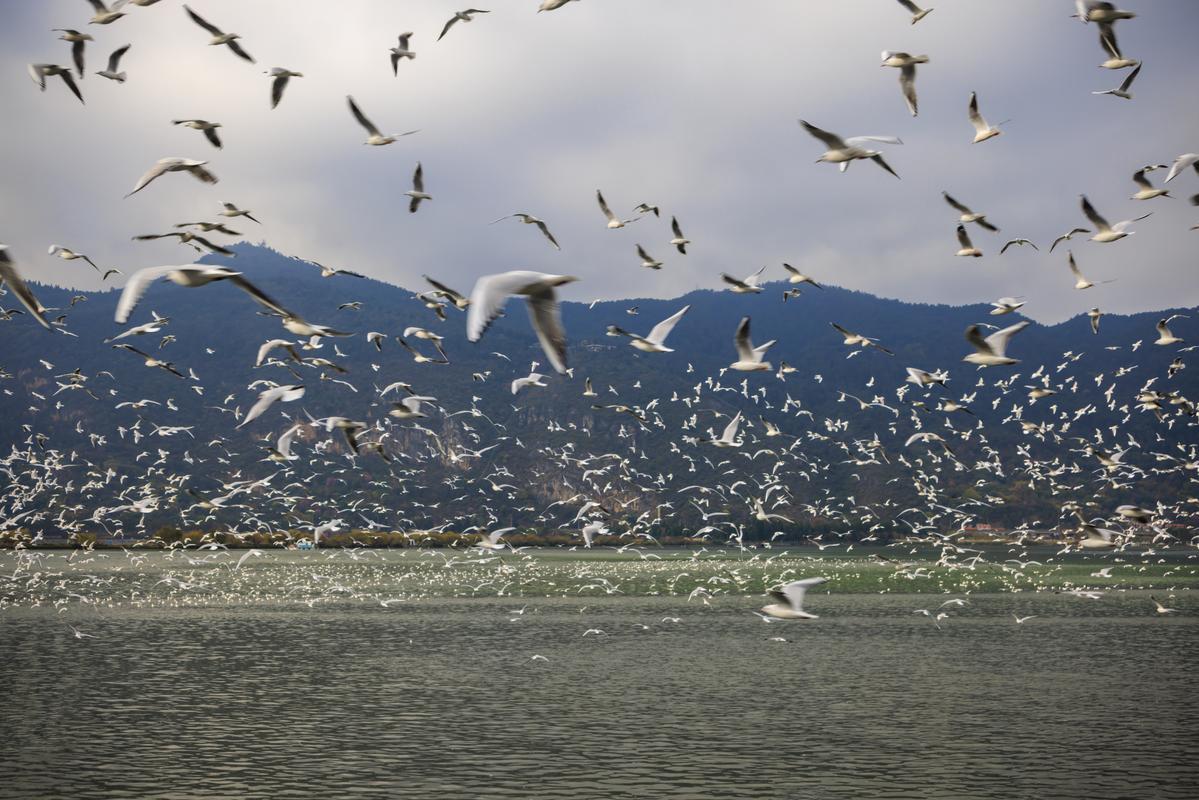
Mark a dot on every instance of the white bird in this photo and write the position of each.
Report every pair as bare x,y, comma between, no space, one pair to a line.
1123,90
1018,243
491,541
165,165
916,11
747,285
648,261
1107,233
460,16
12,279
280,78
982,131
491,292
105,15
1065,237
1164,336
968,215
613,221
858,340
655,341
219,37
268,398
749,358
529,219
1006,305
67,254
1180,165
402,51
418,189
190,275
967,247
842,151
728,437
1080,281
992,351
114,62
789,600
409,407
534,379
795,276
906,63
1160,608
230,210
39,72
375,138
208,128
679,240
1147,191
924,378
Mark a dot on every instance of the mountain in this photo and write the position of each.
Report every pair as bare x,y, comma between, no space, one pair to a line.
552,442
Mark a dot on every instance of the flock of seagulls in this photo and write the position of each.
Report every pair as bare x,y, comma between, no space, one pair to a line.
759,470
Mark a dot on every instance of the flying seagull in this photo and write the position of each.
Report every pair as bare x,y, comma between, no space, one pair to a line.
655,341
1107,233
842,151
218,36
967,247
992,351
190,275
280,76
788,601
906,63
114,62
78,42
748,285
418,189
1123,91
749,358
39,72
491,292
916,11
12,279
208,128
968,215
460,16
375,138
529,219
401,52
165,165
679,240
613,220
982,130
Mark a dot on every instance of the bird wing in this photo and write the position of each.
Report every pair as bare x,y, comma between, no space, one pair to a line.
964,238
1074,267
1139,179
997,342
976,119
1126,84
604,206
70,82
729,279
137,285
114,59
447,27
236,48
277,87
362,120
547,322
674,226
955,203
730,430
154,171
196,18
418,178
907,82
546,231
659,332
1163,329
10,277
741,340
975,337
795,591
1181,163
878,159
1091,214
831,140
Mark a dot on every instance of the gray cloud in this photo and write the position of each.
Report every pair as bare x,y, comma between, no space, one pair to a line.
684,103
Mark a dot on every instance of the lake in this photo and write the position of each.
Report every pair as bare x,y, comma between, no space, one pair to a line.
322,674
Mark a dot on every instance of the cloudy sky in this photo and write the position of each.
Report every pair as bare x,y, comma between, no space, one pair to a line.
688,104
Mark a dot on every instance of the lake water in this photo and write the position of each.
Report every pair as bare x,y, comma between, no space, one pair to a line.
254,694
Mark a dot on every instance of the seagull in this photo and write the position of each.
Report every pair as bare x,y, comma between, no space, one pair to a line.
646,208
375,138
1147,190
39,72
230,210
679,240
329,272
534,379
114,61
655,342
186,237
748,285
749,358
982,131
266,399
491,541
529,219
1160,608
150,360
78,634
1180,165
917,12
418,189
728,437
968,216
967,247
165,165
218,36
1104,232
789,600
842,151
491,292
924,378
1094,315
648,261
1164,336
906,63
400,52
104,15
11,278
78,42
613,221
190,275
1123,90
1065,237
463,16
208,128
1018,243
795,276
992,351
1137,514
409,407
70,255
442,290
281,77
1115,59
857,340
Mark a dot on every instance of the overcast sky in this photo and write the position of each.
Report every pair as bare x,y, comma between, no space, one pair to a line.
688,104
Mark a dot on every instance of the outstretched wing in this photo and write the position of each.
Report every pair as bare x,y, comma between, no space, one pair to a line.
660,331
132,294
831,140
